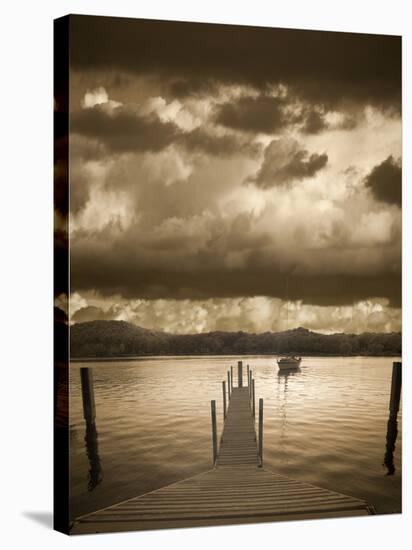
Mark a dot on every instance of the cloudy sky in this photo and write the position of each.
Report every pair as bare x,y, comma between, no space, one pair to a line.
234,178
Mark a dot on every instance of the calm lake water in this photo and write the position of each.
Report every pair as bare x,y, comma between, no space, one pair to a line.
326,425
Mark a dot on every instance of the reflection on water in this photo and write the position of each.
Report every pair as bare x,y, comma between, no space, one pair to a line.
324,424
92,451
391,435
392,431
283,376
89,413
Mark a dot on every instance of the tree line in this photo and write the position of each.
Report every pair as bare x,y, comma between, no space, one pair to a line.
118,338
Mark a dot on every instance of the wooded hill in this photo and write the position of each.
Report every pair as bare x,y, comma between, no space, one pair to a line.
118,338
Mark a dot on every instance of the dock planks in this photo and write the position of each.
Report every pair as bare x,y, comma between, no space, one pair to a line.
237,490
238,443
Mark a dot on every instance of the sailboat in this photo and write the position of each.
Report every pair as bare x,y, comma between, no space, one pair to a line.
288,362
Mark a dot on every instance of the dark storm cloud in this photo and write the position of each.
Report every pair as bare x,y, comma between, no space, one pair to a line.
268,114
261,114
285,162
314,123
182,87
124,130
180,224
323,67
79,189
120,273
228,145
385,181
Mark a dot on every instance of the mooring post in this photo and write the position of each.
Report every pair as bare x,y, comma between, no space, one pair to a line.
395,389
250,384
261,431
89,408
231,378
228,385
248,371
224,398
253,398
239,374
391,436
214,430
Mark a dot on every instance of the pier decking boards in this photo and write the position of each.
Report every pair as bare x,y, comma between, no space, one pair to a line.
237,490
238,443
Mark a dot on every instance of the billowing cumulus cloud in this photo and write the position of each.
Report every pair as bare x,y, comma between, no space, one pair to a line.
107,127
123,130
95,97
285,161
93,313
385,181
200,183
257,314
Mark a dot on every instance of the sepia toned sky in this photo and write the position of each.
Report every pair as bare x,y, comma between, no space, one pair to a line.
217,171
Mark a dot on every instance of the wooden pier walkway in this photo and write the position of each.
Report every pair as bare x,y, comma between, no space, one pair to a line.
237,490
238,444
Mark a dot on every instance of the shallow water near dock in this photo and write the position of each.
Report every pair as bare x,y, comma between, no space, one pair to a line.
325,424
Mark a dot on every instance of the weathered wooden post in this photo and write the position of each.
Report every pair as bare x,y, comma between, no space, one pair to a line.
239,374
89,413
228,385
89,408
391,436
261,431
392,429
224,398
92,451
231,378
250,384
214,430
248,374
253,398
395,389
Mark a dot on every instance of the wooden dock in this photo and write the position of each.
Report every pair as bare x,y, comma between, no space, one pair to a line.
236,490
238,446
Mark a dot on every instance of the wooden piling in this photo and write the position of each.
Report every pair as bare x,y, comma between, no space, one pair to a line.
231,378
395,389
89,408
391,436
248,371
239,374
228,385
261,431
224,398
250,384
214,429
253,398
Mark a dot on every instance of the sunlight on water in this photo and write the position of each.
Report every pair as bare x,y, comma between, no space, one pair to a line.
326,425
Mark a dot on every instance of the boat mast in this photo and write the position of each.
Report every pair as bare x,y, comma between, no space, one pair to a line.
287,302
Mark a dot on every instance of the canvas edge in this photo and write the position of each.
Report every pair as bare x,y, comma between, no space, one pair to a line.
61,516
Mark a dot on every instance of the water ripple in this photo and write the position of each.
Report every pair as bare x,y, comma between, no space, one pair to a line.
325,425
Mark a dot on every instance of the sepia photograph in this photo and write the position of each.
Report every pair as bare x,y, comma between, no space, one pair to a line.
228,274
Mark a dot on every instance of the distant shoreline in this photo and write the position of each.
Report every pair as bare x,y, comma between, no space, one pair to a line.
126,358
119,340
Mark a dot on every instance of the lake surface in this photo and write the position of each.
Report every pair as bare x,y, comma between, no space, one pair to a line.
326,425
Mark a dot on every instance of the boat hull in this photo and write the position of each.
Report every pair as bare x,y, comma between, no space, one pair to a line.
289,364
